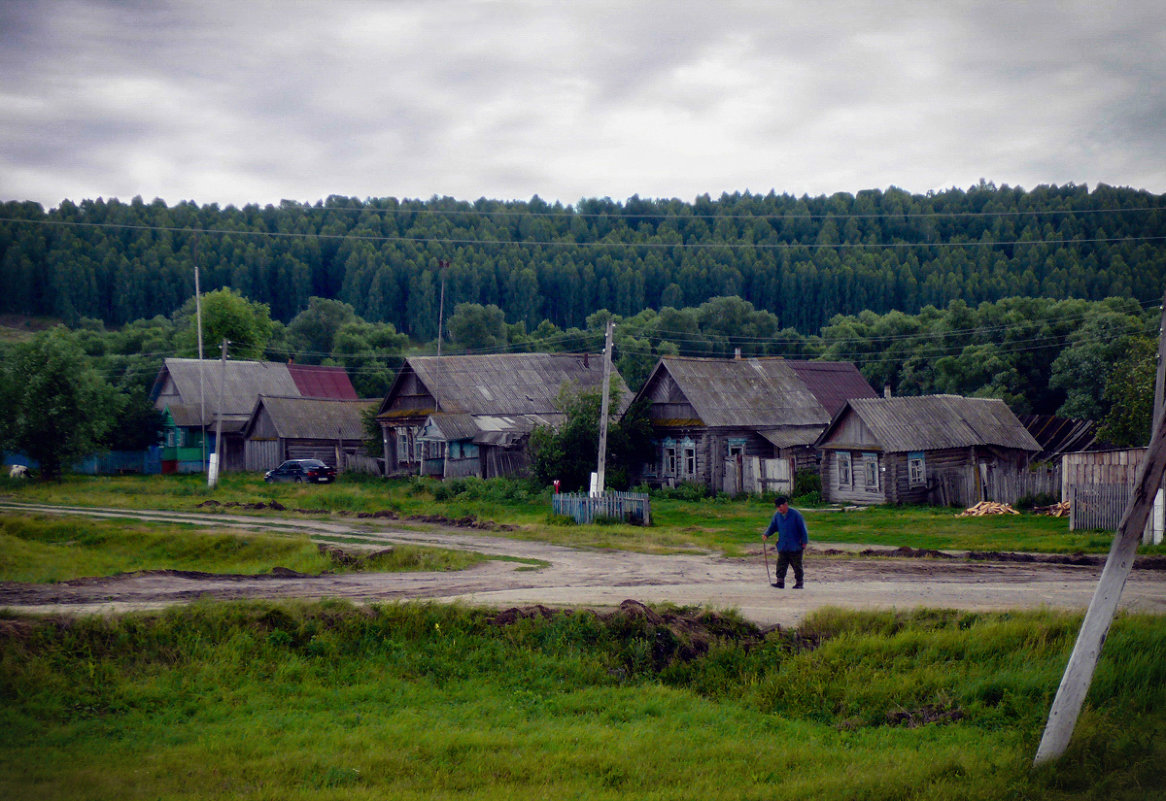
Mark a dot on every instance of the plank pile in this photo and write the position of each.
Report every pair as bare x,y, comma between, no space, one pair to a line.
1056,510
988,508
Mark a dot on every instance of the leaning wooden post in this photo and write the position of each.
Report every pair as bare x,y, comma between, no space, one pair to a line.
1082,662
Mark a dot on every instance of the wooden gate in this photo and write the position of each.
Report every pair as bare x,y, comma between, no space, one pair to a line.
756,476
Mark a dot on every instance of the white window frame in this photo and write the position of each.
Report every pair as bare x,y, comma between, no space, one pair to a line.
845,469
669,461
916,469
689,463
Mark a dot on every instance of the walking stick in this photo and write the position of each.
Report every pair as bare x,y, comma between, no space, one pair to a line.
765,551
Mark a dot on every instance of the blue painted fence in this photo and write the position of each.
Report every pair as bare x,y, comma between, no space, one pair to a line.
632,507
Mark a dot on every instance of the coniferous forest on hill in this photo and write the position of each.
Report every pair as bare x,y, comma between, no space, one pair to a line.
1047,298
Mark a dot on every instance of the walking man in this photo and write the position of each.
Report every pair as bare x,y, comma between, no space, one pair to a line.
792,539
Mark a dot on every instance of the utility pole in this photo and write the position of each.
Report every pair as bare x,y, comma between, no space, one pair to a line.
201,380
217,457
599,474
1094,629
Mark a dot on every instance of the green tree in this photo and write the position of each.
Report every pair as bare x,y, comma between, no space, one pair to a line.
312,333
225,315
569,453
62,408
475,327
1130,395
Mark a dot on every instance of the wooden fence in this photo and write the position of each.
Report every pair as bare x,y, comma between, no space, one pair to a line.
968,485
1098,505
633,507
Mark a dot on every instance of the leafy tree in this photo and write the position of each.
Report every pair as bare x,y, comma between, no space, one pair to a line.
569,453
311,333
475,327
225,315
1130,395
62,406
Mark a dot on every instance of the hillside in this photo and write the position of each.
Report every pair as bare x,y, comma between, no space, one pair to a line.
802,259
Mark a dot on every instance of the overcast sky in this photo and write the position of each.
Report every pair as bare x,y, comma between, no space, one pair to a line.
252,102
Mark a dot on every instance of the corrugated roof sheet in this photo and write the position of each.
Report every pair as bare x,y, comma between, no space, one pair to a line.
511,383
832,383
319,381
942,421
316,418
242,383
792,437
759,393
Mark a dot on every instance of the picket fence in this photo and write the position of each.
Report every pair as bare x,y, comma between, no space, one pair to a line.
633,507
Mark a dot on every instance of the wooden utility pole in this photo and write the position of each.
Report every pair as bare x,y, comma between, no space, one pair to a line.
198,325
217,459
1083,661
599,474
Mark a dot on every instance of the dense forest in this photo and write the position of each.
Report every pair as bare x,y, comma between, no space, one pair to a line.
1046,298
802,259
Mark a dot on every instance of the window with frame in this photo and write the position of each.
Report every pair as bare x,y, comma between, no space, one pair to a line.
916,469
845,477
690,460
669,460
870,470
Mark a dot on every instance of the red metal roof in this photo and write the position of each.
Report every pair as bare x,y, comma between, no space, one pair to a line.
832,383
315,381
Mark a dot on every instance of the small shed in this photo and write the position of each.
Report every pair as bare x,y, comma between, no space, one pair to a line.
283,427
941,449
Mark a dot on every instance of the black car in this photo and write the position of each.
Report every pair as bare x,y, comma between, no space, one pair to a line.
298,470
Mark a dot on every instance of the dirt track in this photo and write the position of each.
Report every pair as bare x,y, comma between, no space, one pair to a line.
595,578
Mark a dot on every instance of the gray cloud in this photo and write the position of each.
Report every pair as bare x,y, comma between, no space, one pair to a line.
253,102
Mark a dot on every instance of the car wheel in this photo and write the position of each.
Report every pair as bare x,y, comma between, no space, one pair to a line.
299,480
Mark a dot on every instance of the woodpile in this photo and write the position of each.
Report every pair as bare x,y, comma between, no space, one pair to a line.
1056,510
988,508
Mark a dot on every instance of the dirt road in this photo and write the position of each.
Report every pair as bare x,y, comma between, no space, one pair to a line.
595,578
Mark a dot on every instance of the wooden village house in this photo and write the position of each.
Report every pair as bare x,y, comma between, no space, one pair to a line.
195,396
940,449
452,416
327,429
741,425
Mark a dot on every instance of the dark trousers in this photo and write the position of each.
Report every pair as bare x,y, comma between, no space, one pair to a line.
787,559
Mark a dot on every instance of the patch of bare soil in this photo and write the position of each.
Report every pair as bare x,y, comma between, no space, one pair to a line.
604,579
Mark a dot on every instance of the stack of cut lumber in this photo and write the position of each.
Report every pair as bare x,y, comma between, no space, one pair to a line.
1056,510
988,508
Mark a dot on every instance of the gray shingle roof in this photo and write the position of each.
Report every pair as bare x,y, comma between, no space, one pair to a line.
933,422
242,382
511,383
759,393
316,418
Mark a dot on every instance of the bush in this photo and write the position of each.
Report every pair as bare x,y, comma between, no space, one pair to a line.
806,482
688,491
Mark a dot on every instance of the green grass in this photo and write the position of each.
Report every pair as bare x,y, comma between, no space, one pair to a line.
514,509
39,549
296,700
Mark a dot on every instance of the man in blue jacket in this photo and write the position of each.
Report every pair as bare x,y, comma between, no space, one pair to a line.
792,538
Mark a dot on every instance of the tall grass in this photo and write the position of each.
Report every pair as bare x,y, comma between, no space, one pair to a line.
327,700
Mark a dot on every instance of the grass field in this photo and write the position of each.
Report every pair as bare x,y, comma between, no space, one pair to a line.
721,524
39,549
330,701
